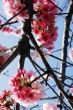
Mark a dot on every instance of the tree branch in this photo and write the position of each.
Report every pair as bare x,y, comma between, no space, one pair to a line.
65,45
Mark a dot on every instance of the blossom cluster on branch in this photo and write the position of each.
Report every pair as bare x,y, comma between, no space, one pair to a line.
43,22
24,91
10,30
11,7
6,102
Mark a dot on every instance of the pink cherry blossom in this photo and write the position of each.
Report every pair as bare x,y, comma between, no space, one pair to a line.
6,102
47,106
7,29
71,90
18,31
3,58
71,54
10,30
25,92
13,7
44,24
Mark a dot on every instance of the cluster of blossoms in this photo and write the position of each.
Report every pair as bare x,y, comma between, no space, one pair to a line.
3,58
7,29
43,23
10,30
24,91
71,54
12,7
47,106
6,102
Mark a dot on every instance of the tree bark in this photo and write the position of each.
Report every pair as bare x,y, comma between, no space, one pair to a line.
64,47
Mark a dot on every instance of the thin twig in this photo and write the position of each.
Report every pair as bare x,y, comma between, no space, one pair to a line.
55,5
12,17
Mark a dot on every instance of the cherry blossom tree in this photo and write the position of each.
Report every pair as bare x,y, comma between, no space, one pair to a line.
48,84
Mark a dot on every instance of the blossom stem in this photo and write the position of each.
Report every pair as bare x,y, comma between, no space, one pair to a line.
55,5
36,64
1,26
61,13
60,59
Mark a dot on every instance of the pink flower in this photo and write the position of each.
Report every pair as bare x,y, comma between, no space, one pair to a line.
71,54
6,102
18,31
25,92
3,58
13,7
44,24
7,29
71,90
48,106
